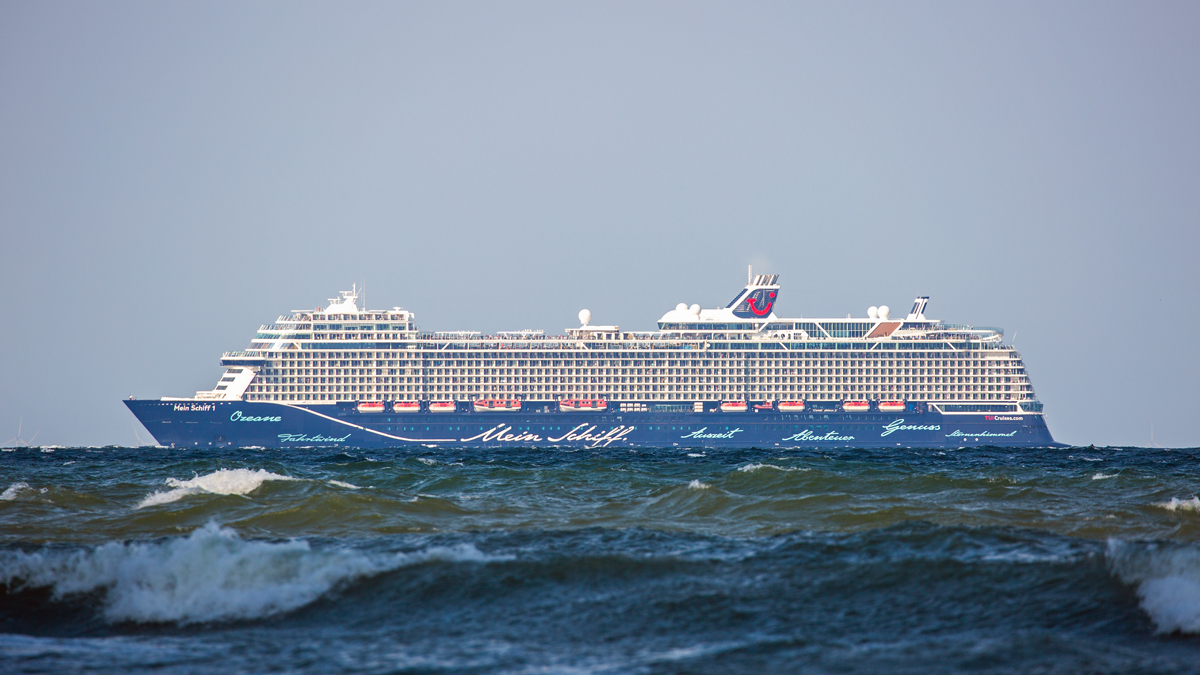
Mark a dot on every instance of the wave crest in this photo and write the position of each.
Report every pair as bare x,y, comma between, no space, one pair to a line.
750,468
1167,579
220,482
1177,504
15,491
210,575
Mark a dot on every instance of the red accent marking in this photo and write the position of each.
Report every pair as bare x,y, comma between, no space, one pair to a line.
765,310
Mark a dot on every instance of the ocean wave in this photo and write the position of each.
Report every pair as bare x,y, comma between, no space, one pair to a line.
1103,476
1177,504
210,575
344,484
749,468
697,484
15,491
1167,578
220,482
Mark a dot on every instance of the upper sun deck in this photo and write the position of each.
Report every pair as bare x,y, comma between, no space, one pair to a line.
343,308
752,313
748,317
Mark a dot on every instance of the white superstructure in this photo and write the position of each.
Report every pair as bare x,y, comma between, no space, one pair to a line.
740,352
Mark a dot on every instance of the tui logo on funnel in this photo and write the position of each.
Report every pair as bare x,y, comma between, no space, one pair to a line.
756,304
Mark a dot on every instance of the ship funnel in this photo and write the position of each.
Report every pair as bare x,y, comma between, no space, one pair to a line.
918,309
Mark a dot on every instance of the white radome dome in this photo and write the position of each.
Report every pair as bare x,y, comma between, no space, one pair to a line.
694,309
884,311
681,307
872,312
584,317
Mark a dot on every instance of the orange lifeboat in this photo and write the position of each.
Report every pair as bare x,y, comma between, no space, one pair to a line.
891,406
791,406
583,404
497,405
856,406
442,407
406,406
370,407
734,406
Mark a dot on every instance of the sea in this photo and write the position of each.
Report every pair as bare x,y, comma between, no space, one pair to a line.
608,560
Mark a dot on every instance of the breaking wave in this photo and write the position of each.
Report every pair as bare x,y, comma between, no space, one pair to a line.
210,575
1177,504
1167,577
220,482
750,468
14,491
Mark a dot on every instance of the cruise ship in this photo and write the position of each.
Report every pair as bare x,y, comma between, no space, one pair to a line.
733,377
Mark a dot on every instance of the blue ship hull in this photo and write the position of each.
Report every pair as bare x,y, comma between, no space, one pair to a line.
539,424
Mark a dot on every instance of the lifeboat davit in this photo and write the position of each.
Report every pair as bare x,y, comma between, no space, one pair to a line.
891,406
734,406
442,407
406,406
497,405
370,407
791,406
577,404
765,405
856,406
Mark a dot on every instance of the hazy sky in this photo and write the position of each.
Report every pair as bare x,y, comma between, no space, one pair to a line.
173,175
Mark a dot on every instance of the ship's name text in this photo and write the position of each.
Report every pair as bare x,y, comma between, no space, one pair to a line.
195,407
583,433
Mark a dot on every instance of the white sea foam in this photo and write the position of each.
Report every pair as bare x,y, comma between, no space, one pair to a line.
1103,476
1167,579
749,468
695,454
1176,504
348,486
15,491
210,575
698,485
220,482
427,461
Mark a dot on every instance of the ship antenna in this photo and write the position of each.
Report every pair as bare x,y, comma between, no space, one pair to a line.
749,274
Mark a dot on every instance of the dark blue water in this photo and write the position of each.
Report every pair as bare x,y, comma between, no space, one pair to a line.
609,561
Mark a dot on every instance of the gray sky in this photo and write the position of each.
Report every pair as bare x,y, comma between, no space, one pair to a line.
173,175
